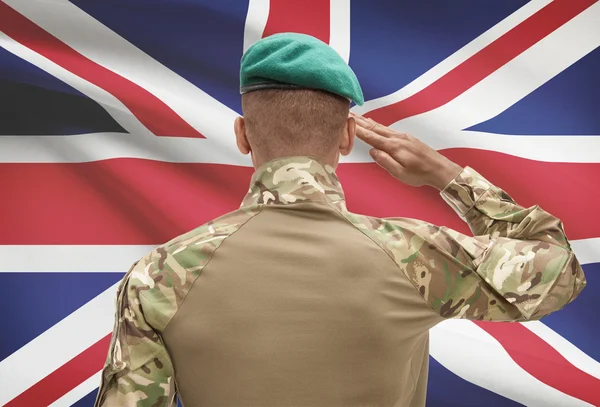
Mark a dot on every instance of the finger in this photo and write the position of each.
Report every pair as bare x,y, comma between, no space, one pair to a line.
374,139
362,121
385,161
372,125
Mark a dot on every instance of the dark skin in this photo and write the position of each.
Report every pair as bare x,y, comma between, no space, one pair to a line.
405,157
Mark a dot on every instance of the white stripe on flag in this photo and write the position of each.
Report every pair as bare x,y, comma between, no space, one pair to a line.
514,80
79,392
256,21
56,346
474,355
118,258
457,58
63,258
587,250
563,149
100,44
572,353
339,27
104,146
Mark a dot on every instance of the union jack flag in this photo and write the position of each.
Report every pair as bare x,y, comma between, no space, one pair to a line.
116,135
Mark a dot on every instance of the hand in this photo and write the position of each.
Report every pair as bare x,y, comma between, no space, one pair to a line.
406,158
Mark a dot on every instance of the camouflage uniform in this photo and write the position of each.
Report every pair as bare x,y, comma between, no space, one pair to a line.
292,327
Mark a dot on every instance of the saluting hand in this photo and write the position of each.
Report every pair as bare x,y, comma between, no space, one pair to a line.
405,157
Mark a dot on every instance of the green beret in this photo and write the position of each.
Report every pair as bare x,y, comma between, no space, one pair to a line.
290,60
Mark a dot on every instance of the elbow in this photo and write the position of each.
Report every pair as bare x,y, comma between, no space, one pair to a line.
565,287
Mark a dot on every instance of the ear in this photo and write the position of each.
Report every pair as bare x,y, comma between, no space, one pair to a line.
239,127
347,138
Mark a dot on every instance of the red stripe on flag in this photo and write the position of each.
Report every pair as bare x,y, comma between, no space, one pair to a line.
484,62
151,111
307,17
65,378
133,201
543,362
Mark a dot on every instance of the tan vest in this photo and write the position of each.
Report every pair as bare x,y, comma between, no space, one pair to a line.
298,307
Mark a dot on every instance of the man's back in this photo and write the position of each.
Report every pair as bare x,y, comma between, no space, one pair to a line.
299,307
293,300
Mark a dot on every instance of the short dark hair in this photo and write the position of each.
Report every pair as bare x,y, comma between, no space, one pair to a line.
286,122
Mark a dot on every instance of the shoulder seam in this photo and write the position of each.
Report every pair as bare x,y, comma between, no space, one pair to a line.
260,209
366,235
391,258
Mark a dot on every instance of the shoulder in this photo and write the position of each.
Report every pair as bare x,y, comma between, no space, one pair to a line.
392,235
387,231
414,245
404,237
162,279
207,237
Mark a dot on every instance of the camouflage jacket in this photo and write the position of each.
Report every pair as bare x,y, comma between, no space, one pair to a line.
519,266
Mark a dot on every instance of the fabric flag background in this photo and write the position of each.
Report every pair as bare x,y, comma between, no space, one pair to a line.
116,135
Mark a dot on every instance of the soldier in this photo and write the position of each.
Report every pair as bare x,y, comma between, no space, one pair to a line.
294,300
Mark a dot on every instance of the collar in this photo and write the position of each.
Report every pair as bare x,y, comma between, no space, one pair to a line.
294,179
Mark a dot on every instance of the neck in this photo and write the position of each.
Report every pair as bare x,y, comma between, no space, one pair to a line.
331,158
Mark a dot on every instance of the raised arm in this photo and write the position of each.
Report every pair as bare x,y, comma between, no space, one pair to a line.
519,265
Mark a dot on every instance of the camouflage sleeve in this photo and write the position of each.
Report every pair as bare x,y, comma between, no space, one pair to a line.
138,370
519,265
488,210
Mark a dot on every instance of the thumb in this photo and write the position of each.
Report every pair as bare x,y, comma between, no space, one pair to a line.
385,161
